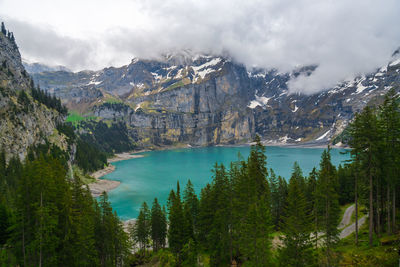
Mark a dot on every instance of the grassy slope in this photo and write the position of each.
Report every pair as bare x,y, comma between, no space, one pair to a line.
381,254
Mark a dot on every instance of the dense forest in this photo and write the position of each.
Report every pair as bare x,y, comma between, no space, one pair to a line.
48,218
247,215
108,139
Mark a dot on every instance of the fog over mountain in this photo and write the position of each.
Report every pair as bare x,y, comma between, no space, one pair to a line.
344,38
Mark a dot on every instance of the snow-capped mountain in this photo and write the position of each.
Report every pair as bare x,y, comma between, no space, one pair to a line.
207,100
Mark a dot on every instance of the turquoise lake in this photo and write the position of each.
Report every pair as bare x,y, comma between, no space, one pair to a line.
155,174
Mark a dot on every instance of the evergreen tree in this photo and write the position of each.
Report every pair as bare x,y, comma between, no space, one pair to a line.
389,123
205,217
79,243
328,209
3,29
364,136
253,208
219,235
143,227
176,231
4,224
111,240
158,226
297,246
191,208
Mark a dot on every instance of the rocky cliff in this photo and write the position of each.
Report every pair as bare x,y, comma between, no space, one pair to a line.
208,100
23,120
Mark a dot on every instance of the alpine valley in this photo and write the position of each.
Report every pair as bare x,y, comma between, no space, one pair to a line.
202,100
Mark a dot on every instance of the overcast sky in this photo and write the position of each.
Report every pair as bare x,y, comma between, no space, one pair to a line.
344,37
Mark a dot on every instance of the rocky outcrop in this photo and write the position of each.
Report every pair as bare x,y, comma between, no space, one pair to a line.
207,100
23,121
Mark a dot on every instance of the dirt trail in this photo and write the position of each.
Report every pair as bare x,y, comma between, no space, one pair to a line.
351,228
347,217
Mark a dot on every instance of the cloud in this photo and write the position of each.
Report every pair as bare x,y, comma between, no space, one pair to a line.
344,38
45,45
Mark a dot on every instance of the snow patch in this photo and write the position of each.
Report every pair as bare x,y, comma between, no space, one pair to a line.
260,101
203,73
284,139
179,74
394,63
254,104
360,87
324,135
93,82
156,76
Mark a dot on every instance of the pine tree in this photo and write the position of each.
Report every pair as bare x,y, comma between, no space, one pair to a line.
158,226
219,235
328,209
205,217
191,206
253,208
364,143
297,246
3,29
4,224
176,232
389,124
142,228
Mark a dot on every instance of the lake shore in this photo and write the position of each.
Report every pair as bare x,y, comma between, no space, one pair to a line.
104,185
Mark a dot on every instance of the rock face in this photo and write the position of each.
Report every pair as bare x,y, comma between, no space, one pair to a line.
207,100
23,121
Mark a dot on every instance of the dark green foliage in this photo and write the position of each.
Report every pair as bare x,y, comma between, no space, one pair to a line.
297,226
7,33
49,220
4,224
3,28
176,232
113,139
191,209
88,157
346,184
252,209
115,106
327,204
158,223
278,198
219,238
68,130
142,229
48,100
24,101
112,246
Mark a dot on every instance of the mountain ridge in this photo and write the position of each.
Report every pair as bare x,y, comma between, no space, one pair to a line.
24,121
211,100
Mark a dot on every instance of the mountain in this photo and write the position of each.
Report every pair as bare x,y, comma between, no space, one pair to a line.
24,120
210,100
38,67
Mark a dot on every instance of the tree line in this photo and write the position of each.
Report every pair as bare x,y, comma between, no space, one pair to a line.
50,219
7,33
375,165
49,101
236,216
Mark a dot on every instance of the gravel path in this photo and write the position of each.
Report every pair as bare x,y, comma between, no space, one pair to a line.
351,228
347,216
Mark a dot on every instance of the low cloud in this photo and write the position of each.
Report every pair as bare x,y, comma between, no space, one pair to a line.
344,38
